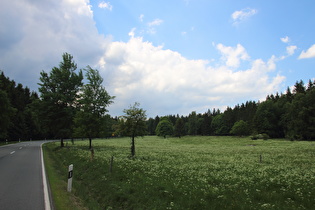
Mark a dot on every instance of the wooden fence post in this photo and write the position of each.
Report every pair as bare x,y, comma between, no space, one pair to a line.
111,162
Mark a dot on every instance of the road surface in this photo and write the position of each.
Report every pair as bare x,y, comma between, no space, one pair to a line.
22,184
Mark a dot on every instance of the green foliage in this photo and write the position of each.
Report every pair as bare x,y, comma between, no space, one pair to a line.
17,121
179,128
164,128
92,102
240,128
218,125
94,98
133,121
133,124
267,118
300,116
150,126
59,93
5,115
64,100
192,123
192,173
205,123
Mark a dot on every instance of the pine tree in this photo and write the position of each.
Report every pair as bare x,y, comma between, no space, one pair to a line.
179,129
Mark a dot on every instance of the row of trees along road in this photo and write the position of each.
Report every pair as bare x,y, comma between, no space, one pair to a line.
68,108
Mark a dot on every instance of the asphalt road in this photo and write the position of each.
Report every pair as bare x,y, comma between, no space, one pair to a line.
21,177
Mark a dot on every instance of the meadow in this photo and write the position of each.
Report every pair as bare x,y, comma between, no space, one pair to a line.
191,172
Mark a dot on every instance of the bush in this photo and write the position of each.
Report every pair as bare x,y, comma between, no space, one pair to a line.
240,128
254,137
265,136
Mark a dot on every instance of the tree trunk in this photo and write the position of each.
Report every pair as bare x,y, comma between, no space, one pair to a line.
90,139
133,149
61,143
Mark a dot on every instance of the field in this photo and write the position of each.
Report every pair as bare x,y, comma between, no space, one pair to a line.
190,173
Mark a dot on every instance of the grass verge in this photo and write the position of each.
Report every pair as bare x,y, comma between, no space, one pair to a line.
2,143
62,199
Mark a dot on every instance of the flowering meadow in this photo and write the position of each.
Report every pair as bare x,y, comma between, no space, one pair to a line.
192,172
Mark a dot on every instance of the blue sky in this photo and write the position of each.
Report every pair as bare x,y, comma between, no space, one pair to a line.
173,56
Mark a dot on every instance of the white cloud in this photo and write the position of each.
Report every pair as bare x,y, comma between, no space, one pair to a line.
233,55
141,17
291,49
132,32
155,22
285,39
105,5
151,30
310,53
151,25
243,14
42,32
165,82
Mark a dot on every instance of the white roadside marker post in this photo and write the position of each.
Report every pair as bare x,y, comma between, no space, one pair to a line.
70,174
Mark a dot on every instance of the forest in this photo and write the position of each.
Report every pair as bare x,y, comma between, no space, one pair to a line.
59,111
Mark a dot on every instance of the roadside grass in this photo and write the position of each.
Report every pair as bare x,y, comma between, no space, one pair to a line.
189,173
62,200
2,143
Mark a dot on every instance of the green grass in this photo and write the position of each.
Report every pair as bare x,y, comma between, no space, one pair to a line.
191,173
58,185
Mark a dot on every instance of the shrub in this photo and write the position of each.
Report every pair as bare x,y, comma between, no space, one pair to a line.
240,128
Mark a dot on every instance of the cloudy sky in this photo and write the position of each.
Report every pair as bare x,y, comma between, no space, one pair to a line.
172,56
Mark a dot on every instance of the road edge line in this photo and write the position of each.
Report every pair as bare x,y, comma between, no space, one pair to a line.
46,194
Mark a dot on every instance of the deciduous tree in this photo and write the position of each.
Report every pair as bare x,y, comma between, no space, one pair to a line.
240,128
59,92
164,127
93,102
133,124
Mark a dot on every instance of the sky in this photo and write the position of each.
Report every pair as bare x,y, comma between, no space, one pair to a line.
171,56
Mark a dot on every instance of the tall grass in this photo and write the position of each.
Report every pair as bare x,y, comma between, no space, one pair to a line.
192,173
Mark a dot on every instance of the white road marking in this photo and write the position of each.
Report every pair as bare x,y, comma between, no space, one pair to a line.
21,147
46,194
12,152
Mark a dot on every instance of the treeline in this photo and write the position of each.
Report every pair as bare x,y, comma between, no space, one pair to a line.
290,115
22,116
67,108
19,117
